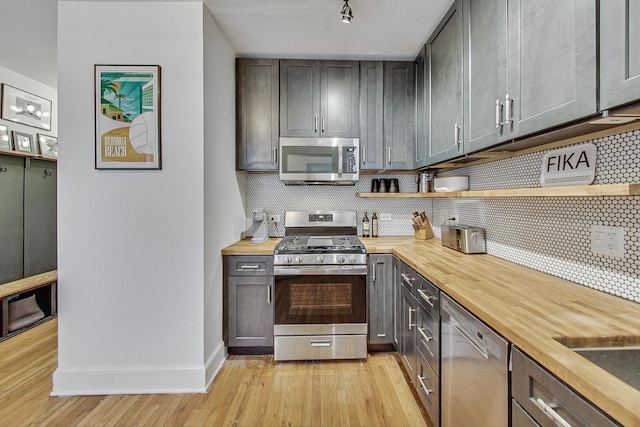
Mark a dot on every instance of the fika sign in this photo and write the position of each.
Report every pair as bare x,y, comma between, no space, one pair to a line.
569,166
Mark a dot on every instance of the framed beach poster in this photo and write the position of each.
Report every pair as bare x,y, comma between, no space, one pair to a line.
127,114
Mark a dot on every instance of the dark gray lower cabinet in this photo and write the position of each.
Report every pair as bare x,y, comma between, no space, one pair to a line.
380,299
11,218
408,349
248,310
40,219
418,334
539,398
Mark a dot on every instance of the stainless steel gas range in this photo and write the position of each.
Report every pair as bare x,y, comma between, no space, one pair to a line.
320,270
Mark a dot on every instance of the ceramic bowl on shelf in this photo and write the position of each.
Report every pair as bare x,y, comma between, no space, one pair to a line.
447,184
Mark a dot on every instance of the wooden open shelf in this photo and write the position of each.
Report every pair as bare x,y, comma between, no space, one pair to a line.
23,154
625,189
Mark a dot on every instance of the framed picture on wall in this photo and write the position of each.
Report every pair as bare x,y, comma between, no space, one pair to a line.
48,146
127,117
26,108
5,140
23,142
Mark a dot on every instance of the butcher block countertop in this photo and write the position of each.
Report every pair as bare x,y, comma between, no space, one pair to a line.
535,311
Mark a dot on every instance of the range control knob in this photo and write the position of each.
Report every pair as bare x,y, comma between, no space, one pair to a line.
341,259
287,260
352,258
320,258
298,259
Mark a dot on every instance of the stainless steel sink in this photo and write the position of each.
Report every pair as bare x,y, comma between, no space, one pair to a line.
622,362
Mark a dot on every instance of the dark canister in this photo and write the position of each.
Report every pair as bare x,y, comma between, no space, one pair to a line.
384,185
394,185
375,185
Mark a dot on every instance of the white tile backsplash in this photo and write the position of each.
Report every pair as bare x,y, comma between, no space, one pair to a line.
548,234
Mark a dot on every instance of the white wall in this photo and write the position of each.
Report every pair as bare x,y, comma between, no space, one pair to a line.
131,243
27,84
224,212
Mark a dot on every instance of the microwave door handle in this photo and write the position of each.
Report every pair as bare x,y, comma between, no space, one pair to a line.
340,160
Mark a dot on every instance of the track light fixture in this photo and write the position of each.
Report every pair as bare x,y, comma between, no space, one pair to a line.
346,12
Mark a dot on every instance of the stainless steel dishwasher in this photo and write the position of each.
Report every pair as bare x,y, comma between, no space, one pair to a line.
474,376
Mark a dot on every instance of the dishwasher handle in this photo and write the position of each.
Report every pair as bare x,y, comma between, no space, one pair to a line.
473,342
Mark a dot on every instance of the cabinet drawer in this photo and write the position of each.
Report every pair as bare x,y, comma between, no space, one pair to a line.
428,388
408,277
519,417
428,337
428,296
249,265
319,347
545,398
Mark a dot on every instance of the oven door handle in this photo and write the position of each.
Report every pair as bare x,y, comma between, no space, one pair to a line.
314,270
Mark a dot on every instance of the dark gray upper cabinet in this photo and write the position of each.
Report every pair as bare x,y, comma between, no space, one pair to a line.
485,72
619,52
40,220
299,98
422,110
257,114
371,115
444,60
11,218
381,299
319,98
339,99
399,115
551,64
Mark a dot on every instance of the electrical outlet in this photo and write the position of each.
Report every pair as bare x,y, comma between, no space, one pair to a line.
607,240
274,218
385,217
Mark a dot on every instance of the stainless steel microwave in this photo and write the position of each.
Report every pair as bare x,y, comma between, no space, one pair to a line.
329,161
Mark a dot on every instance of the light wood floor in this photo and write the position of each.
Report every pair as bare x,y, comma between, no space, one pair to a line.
248,391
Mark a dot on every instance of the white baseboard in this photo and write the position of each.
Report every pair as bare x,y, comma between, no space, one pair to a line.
214,363
129,380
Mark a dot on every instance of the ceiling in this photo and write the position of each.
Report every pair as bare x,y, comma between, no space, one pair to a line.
381,29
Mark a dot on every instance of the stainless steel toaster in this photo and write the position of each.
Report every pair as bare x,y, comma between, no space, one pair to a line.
463,238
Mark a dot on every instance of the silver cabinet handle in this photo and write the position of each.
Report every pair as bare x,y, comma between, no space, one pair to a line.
423,386
323,123
249,267
456,135
498,114
269,294
315,123
389,155
373,273
275,154
364,154
411,311
549,411
320,343
407,279
426,337
508,115
427,297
